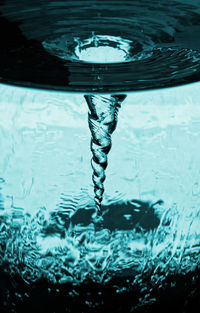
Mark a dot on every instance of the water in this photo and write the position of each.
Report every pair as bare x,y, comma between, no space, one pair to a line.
46,42
102,118
71,240
149,243
122,64
103,110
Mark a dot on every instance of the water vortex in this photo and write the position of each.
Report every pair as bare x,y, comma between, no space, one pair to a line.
102,119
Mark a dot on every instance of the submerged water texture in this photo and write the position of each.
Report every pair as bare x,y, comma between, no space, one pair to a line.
151,227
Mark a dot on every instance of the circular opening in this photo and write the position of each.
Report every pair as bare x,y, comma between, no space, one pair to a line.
103,49
102,54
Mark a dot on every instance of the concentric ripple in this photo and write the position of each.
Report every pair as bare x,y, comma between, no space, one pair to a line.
153,44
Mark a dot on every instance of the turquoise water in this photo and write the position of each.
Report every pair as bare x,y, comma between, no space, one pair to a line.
151,200
53,44
99,199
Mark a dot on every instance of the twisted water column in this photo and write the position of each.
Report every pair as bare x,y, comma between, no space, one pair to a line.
102,119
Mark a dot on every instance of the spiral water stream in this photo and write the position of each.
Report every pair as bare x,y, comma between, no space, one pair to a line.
102,120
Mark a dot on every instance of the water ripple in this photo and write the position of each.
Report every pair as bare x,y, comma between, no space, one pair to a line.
163,41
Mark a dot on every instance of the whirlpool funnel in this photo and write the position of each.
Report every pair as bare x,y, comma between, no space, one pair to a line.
99,156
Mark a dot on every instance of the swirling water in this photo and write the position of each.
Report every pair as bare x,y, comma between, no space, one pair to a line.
47,44
150,207
151,218
103,109
102,117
